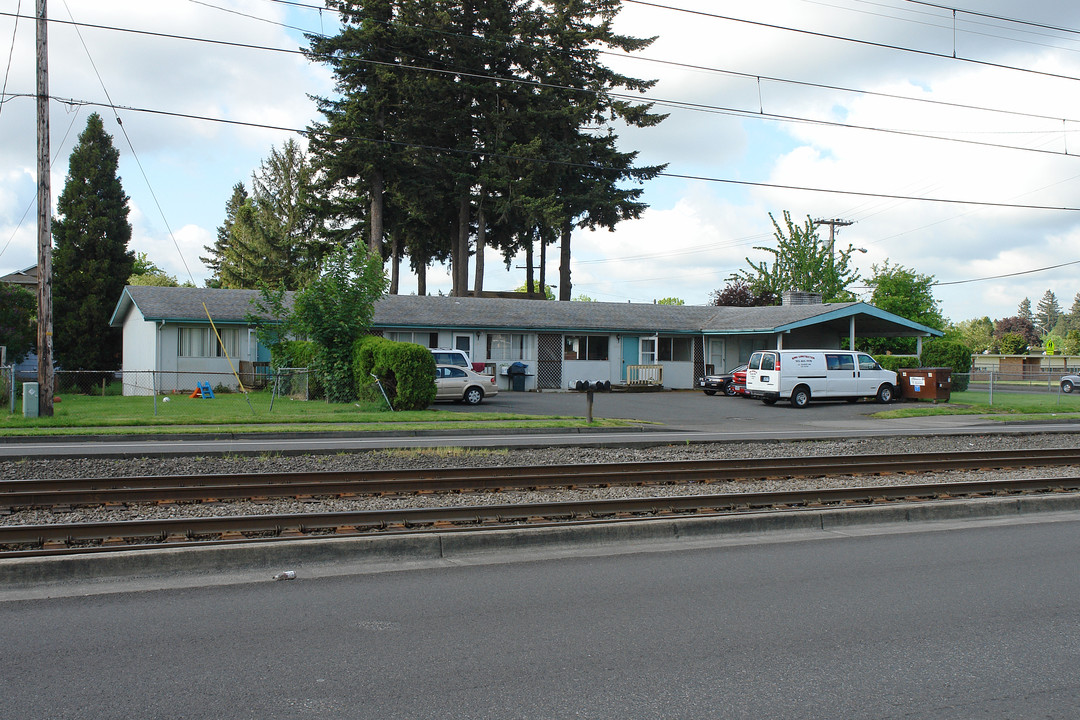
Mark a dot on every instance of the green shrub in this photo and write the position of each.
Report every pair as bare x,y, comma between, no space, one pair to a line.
406,372
895,362
301,354
945,353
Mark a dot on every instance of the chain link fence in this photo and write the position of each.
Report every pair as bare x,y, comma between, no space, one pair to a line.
293,383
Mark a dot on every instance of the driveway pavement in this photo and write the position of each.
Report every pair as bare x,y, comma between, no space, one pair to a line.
677,409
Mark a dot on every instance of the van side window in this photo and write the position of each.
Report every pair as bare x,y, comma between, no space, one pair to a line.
868,363
839,362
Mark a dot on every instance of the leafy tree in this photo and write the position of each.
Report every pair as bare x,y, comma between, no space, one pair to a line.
978,334
1047,313
18,321
670,301
582,297
91,262
801,261
548,294
739,293
146,272
910,295
1072,343
1013,343
334,310
1018,325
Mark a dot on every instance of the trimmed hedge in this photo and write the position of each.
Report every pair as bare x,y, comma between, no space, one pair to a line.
405,370
895,362
946,353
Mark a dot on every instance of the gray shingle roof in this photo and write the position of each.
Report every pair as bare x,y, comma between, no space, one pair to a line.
423,312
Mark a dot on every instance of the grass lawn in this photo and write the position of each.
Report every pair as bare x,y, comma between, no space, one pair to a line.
1007,405
235,412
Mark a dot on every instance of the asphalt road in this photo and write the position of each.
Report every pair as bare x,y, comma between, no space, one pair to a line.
976,620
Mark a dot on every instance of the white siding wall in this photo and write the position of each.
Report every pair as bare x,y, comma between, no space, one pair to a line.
140,354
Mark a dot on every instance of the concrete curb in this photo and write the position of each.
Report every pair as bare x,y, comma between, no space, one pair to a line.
378,553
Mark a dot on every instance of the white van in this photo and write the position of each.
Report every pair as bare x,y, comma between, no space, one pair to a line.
802,375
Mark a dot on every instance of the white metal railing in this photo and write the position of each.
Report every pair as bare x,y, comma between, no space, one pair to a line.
644,374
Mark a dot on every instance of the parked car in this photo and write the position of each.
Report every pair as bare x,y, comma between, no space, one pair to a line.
461,384
451,356
722,383
1068,382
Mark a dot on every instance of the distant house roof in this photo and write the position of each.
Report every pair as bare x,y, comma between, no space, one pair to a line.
22,277
172,304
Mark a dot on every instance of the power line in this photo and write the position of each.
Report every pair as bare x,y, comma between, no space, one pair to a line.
868,43
998,277
563,163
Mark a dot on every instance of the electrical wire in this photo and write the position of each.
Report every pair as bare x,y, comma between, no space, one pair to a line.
563,163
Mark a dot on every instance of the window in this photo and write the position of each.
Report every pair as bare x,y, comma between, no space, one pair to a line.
768,361
198,341
868,363
839,362
427,339
505,346
585,347
675,349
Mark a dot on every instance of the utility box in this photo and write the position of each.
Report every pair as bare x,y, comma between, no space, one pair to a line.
30,399
925,383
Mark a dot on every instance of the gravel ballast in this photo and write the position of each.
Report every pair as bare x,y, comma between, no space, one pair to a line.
456,457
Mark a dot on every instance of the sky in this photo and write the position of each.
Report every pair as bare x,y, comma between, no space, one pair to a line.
949,145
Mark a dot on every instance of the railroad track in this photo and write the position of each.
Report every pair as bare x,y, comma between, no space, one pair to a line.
59,538
15,494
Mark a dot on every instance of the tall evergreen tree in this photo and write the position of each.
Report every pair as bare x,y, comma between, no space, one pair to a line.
1024,311
91,261
1047,313
217,254
266,238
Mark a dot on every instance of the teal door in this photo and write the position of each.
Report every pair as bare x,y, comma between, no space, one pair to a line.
629,354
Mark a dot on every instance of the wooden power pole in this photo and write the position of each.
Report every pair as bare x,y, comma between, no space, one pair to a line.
44,220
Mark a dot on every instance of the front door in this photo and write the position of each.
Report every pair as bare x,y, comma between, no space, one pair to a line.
464,342
630,350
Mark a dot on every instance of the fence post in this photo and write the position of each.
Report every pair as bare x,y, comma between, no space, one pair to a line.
991,388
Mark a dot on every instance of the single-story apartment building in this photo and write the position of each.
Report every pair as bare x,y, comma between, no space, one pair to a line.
168,332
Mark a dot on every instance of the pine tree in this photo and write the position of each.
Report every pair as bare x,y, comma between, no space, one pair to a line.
1024,311
1047,313
217,254
91,261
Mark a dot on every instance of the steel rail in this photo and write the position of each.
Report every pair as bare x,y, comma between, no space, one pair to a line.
232,528
180,488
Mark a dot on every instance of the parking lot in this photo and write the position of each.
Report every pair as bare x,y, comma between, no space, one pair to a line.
690,409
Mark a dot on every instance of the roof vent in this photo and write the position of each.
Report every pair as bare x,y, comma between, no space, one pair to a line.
800,297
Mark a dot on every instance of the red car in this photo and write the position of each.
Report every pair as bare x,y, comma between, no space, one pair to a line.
738,383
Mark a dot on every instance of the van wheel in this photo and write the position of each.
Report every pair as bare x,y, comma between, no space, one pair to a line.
800,396
885,393
473,396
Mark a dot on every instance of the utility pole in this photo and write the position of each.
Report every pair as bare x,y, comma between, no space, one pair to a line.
833,224
44,220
